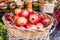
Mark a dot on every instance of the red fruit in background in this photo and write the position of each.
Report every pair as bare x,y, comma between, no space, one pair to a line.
21,21
16,17
6,14
55,15
33,12
17,11
7,18
33,18
24,13
46,21
40,18
29,10
58,12
40,25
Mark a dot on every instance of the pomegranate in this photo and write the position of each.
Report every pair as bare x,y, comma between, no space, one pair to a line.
16,17
40,18
33,26
7,18
28,25
40,25
21,21
6,14
17,11
46,21
24,13
59,12
29,10
33,12
33,18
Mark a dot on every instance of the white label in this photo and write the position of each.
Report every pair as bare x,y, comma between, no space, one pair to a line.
48,8
34,0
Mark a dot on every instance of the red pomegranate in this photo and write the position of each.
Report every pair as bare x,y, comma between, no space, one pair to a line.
17,11
46,21
33,18
16,17
21,21
28,25
40,25
40,18
29,10
24,13
33,26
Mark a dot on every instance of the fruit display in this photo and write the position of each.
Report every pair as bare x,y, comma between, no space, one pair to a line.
56,15
10,5
28,19
27,23
3,32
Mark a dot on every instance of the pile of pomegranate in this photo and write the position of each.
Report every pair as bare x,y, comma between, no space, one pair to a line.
27,19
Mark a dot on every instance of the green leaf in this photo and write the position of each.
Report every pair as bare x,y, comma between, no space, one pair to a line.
1,38
1,24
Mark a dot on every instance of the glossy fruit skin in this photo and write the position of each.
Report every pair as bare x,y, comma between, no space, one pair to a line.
17,11
28,25
33,18
46,21
33,12
40,18
16,17
6,14
33,26
24,13
56,15
58,12
40,25
29,10
21,21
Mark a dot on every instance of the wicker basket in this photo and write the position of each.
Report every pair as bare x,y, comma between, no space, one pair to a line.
23,34
47,7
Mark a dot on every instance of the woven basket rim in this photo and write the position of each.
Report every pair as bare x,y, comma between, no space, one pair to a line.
46,28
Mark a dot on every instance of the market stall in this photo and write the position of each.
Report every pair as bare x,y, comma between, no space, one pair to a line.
29,19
